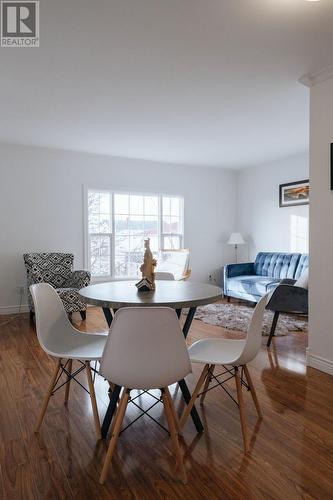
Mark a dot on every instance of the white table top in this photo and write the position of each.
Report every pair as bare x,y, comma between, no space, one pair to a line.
175,294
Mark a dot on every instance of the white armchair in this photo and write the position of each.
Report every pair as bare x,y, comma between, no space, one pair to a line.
173,264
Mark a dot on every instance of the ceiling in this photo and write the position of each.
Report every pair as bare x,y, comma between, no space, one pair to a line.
201,82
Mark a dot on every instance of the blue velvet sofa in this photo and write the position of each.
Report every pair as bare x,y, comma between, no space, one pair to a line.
250,281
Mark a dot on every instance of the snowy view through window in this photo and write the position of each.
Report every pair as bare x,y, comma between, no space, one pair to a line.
118,223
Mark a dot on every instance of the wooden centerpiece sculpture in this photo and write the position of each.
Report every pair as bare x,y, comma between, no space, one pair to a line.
147,283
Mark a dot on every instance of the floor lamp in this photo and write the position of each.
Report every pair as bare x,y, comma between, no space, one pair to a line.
236,239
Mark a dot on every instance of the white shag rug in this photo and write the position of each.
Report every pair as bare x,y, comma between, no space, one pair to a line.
237,317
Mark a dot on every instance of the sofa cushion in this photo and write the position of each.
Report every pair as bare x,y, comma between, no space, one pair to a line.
303,280
254,285
276,265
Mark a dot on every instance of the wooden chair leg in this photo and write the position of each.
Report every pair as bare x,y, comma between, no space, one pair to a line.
70,364
241,409
115,434
93,400
173,409
48,395
208,380
253,391
196,391
169,412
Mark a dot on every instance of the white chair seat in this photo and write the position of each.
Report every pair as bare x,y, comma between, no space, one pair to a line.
79,345
216,351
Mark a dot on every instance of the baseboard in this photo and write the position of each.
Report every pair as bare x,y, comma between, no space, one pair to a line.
24,308
322,364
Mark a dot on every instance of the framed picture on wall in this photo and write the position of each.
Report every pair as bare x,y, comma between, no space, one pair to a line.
294,193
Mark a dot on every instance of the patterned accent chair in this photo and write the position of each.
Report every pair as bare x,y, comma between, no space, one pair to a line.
56,269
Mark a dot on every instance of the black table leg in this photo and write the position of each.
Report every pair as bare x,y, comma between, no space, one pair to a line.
108,315
194,414
182,384
188,321
110,411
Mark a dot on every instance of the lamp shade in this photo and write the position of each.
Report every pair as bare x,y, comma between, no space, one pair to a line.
236,239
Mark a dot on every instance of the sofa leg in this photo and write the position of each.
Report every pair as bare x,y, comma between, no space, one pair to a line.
83,315
228,299
273,327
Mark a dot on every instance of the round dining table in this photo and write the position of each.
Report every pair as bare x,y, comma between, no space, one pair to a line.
178,295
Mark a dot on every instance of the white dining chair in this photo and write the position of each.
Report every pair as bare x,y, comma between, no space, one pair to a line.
164,276
58,338
145,350
175,262
233,353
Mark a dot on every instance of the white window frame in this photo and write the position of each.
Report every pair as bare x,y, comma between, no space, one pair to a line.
161,235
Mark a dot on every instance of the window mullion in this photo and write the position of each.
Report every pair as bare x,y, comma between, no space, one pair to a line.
160,223
112,242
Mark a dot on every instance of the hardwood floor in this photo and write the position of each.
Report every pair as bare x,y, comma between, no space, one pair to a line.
291,448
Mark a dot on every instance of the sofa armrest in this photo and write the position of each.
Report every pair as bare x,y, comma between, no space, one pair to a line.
232,270
79,279
289,298
287,281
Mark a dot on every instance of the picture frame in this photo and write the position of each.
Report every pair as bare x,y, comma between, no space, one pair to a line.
293,194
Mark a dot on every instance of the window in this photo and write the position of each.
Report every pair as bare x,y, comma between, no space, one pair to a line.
118,223
172,232
299,234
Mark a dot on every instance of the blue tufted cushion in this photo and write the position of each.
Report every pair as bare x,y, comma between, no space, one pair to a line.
254,285
276,265
303,264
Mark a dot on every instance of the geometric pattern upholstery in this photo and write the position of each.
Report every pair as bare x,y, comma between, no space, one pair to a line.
56,268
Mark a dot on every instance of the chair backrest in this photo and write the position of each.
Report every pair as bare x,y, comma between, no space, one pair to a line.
145,349
163,275
254,333
52,324
49,267
175,262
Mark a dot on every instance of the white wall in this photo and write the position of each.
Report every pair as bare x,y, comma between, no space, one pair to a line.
320,352
41,206
266,226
